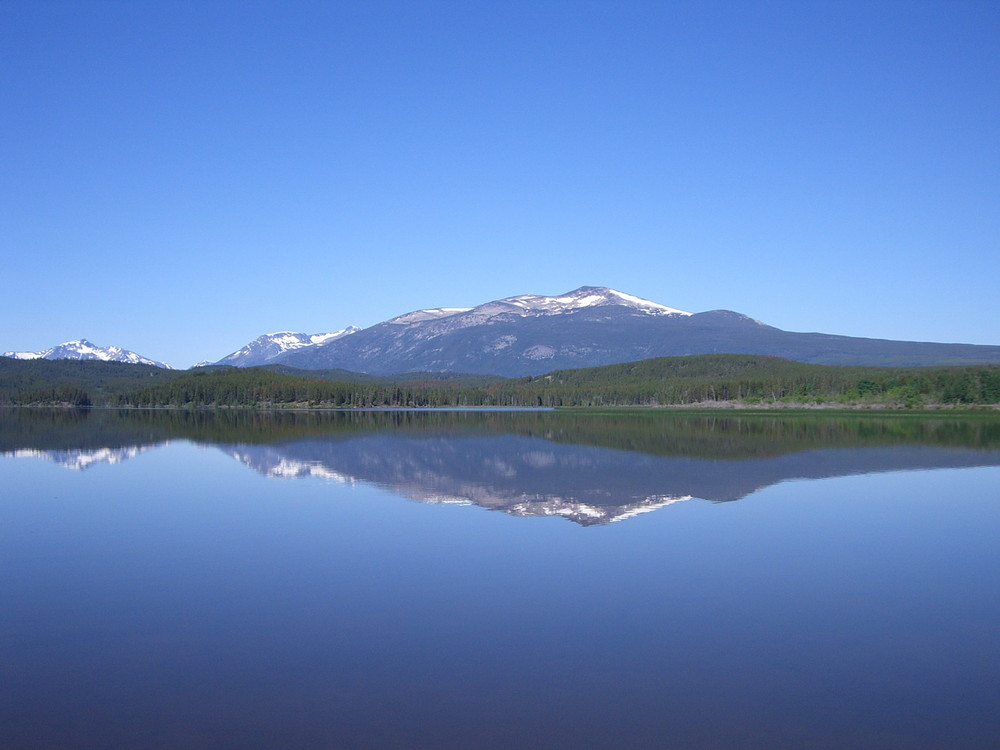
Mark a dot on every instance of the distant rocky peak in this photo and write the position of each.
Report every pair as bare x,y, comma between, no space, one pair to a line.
270,346
84,349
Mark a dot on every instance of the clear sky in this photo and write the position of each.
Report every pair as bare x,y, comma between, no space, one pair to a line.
178,178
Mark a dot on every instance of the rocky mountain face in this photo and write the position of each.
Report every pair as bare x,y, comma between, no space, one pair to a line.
83,349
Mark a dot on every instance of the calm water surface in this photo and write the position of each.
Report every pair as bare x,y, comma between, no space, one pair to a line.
498,580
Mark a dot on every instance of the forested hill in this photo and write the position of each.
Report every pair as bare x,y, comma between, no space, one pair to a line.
754,379
74,382
742,379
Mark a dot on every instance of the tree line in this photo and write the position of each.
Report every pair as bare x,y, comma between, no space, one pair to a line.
743,379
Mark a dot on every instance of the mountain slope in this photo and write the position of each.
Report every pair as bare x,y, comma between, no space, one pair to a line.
83,349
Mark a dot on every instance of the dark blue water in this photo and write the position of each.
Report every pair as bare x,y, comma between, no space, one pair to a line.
167,595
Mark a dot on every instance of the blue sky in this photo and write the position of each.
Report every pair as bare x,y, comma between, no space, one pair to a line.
180,177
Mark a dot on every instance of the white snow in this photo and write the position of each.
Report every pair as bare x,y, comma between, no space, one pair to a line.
322,338
654,503
24,355
288,340
296,340
639,302
421,316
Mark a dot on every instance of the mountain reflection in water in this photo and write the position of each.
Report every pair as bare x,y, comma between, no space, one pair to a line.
589,468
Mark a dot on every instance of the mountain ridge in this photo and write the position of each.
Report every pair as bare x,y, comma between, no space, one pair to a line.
533,334
594,326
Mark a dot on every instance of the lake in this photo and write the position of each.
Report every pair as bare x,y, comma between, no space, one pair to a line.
498,580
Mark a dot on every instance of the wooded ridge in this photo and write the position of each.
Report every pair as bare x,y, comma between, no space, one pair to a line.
715,379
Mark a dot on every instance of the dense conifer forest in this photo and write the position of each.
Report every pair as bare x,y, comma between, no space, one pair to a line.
721,379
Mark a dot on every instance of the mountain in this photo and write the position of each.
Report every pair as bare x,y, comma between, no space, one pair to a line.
271,346
526,334
532,476
83,349
592,326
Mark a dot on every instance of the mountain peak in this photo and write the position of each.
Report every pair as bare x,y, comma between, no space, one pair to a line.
84,349
588,296
443,319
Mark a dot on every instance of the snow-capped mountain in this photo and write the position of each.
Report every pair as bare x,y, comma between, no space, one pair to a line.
530,475
81,459
271,346
521,335
591,326
578,299
83,349
521,476
533,334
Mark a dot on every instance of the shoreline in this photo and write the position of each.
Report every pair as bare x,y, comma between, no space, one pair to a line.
731,407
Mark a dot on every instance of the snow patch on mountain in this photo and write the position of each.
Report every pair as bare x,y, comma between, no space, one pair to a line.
588,514
422,316
651,503
443,319
321,338
588,296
